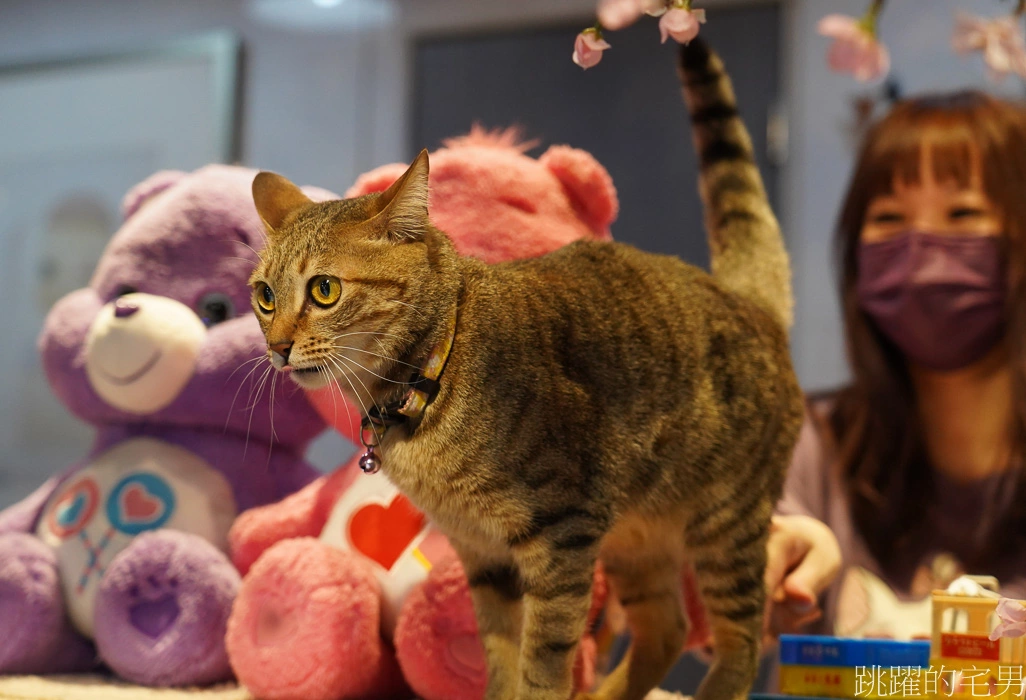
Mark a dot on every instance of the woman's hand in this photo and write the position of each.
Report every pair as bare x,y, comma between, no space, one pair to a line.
803,558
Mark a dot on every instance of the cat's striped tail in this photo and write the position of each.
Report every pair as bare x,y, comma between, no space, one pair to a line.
745,244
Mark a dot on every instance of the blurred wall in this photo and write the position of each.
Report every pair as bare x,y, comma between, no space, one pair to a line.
316,106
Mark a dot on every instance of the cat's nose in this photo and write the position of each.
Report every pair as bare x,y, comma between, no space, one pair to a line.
282,349
124,308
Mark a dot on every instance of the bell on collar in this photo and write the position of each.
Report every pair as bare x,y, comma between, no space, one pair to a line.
370,463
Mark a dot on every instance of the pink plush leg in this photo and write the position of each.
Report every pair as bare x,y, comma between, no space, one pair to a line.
436,638
305,626
437,642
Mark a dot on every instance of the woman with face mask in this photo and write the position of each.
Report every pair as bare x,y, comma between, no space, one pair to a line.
916,467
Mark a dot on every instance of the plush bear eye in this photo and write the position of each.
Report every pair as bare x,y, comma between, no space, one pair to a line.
325,290
215,308
264,297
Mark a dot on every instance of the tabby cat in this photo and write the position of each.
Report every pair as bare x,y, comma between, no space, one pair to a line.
598,402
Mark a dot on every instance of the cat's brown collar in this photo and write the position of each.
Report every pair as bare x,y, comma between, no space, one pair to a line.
423,389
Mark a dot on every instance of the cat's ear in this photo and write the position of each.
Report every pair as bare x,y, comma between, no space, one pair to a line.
275,198
403,207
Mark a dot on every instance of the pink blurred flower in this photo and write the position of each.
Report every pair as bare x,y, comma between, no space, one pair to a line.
1011,619
681,24
588,48
617,14
1000,40
856,49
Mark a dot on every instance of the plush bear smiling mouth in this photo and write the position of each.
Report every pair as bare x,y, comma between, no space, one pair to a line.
134,376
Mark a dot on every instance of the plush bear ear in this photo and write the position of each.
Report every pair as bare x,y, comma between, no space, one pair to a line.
147,189
587,184
377,180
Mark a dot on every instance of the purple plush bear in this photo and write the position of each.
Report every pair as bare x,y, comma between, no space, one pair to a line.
162,353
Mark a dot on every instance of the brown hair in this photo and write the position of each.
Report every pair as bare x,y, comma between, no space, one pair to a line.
874,420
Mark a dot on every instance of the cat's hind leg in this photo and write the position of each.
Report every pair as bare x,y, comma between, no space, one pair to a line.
643,560
728,550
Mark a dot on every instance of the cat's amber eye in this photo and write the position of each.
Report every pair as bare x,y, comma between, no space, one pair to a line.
325,290
264,297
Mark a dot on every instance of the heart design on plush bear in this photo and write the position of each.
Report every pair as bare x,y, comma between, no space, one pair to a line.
139,505
383,533
67,513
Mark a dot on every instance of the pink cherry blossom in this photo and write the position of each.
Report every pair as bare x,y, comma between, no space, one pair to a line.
618,14
1011,619
856,49
1000,40
681,24
655,8
588,48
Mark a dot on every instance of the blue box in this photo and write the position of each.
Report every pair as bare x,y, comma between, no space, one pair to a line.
812,650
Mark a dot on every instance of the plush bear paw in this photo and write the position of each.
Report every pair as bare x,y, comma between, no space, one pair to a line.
37,635
306,626
162,610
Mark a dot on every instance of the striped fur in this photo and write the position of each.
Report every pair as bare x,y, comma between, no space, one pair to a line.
598,403
748,254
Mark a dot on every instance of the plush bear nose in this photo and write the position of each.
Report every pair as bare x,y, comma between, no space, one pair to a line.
124,308
282,349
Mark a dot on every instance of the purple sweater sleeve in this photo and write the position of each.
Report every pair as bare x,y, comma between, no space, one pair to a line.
806,487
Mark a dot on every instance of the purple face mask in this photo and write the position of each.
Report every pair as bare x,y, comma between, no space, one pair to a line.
940,299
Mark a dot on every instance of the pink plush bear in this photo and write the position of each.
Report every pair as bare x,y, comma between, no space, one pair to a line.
348,591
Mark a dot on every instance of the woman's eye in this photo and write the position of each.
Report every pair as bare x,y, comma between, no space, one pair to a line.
965,213
215,308
886,217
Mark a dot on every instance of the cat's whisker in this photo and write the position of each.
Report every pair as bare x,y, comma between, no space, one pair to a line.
249,374
365,388
249,361
236,240
375,354
252,407
415,308
334,399
333,378
363,406
380,333
369,371
270,408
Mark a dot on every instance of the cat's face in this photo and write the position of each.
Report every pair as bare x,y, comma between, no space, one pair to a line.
334,288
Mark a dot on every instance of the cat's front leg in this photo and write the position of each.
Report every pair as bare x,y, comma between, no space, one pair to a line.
496,590
557,584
